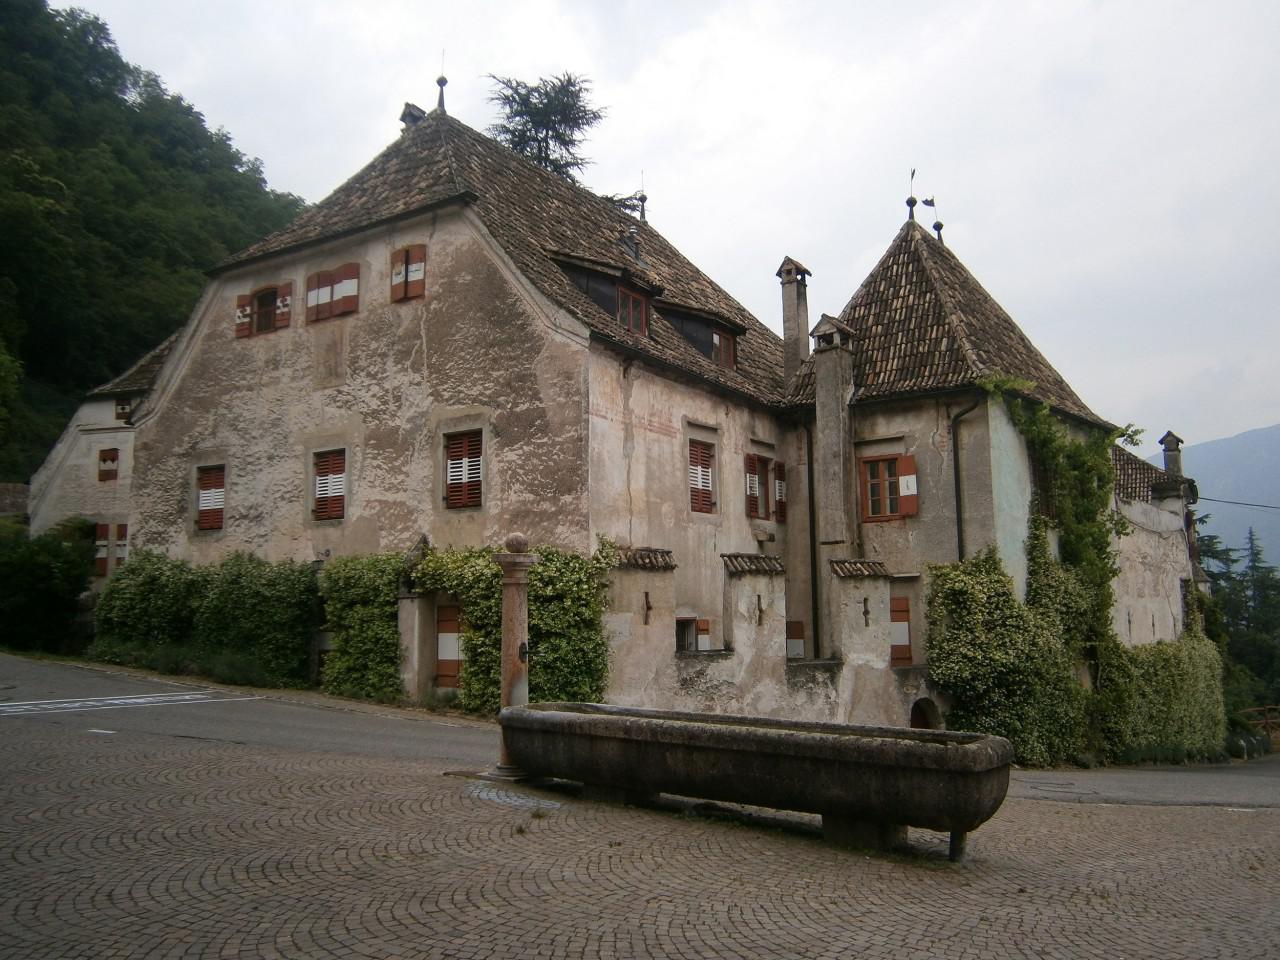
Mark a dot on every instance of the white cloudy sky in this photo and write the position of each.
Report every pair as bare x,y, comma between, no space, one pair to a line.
1103,168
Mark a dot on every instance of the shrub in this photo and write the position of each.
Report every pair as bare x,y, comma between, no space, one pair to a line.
255,620
41,580
361,610
146,606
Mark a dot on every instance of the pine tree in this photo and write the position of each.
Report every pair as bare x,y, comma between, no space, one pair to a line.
546,121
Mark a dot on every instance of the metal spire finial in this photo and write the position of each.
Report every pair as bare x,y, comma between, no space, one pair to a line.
440,82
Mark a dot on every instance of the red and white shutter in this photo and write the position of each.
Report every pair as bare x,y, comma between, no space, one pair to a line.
464,469
899,630
284,304
324,295
101,549
211,497
780,492
313,296
122,544
704,634
448,645
908,488
108,463
752,470
331,485
399,268
415,283
700,477
346,289
244,315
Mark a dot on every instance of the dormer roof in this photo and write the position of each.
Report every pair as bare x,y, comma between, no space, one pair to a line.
921,323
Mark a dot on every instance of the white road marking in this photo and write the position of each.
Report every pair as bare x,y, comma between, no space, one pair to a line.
110,703
102,731
127,696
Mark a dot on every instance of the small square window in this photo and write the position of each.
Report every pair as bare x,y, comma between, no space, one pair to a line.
889,489
633,311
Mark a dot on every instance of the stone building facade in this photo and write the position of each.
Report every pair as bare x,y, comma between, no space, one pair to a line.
456,344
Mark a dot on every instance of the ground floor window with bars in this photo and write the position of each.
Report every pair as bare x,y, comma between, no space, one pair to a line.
330,467
464,469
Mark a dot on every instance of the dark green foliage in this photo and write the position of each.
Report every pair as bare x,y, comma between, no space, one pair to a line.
546,121
114,196
1244,618
254,612
146,606
361,611
41,580
568,647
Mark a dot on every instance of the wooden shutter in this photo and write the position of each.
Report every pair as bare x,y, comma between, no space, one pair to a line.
331,485
108,463
780,492
122,543
398,270
900,612
700,485
324,295
101,547
415,271
463,469
211,497
244,314
284,304
908,495
752,469
346,289
313,295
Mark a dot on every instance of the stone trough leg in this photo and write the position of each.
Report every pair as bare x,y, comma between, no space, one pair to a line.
862,834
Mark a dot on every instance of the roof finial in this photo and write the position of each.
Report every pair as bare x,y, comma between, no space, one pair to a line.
642,197
937,224
911,196
440,82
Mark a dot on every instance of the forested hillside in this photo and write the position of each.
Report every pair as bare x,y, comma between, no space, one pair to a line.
114,198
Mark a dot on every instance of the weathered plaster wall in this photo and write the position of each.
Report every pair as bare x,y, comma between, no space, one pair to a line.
1153,564
1011,492
67,483
385,383
641,424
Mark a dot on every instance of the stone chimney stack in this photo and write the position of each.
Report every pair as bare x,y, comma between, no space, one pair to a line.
795,317
1172,444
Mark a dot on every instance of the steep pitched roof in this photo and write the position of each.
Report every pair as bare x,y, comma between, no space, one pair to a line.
141,376
1135,477
539,218
922,323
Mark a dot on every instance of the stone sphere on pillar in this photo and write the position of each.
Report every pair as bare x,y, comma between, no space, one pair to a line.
517,543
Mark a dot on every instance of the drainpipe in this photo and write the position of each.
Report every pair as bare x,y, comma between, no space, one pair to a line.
814,606
955,471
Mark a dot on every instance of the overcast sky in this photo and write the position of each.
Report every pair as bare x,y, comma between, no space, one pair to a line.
1104,169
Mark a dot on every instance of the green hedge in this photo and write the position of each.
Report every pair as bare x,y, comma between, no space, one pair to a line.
568,647
361,612
41,580
147,604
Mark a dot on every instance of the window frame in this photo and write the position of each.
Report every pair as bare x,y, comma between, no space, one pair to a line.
468,490
628,298
408,272
702,499
328,505
904,465
760,468
212,516
690,631
724,348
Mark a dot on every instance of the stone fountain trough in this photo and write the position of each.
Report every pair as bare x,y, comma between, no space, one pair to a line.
869,784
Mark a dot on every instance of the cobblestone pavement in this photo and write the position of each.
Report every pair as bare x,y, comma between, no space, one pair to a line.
163,846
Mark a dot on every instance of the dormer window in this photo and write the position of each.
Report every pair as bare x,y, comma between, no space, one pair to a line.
633,310
723,349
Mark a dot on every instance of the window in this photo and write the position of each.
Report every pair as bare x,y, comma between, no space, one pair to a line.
331,485
122,544
448,647
264,310
332,293
757,472
633,310
723,349
409,272
463,467
101,549
124,408
889,488
899,631
692,635
211,496
108,463
780,492
701,492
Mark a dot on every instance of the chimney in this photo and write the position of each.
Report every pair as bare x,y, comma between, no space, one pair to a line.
1172,444
411,116
795,317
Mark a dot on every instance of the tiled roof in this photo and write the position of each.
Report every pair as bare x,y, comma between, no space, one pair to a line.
141,376
537,216
741,563
922,323
1135,477
859,568
646,558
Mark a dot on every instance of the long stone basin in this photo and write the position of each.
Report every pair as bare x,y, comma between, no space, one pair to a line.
868,783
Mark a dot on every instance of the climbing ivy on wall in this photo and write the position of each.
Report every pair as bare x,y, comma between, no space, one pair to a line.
568,646
1015,669
361,612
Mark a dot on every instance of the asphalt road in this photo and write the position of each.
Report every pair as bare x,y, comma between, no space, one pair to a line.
82,699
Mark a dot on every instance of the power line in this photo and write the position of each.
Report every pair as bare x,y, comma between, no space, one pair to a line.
1241,503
